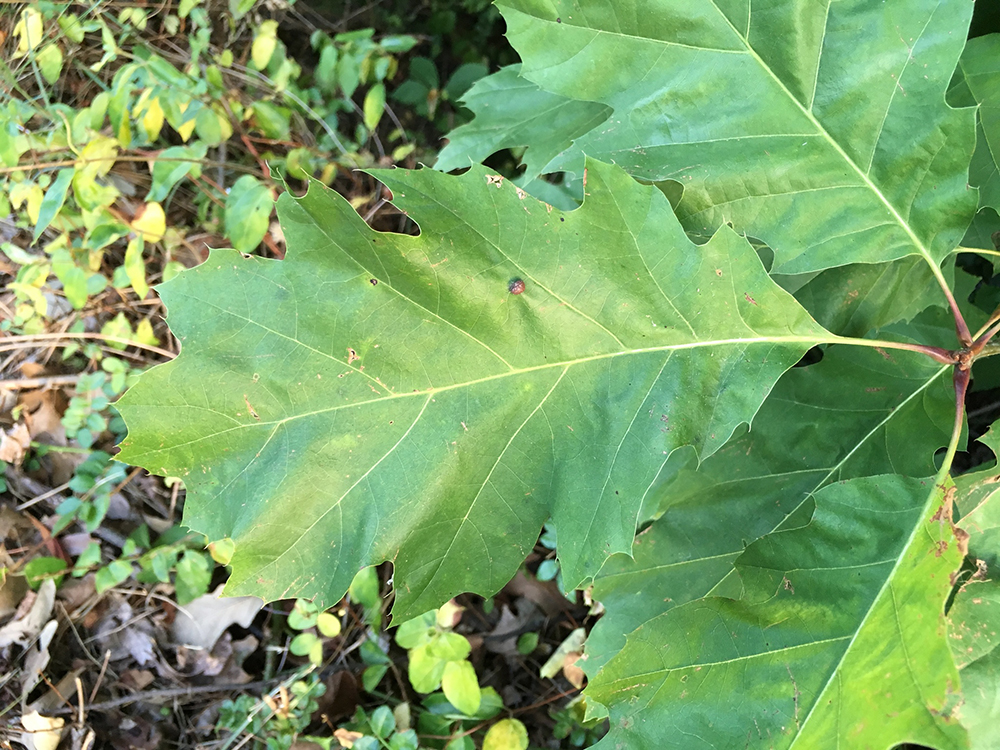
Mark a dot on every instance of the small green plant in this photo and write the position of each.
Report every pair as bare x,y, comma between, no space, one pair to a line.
90,412
312,625
438,658
383,728
177,557
572,725
440,718
275,721
423,91
92,484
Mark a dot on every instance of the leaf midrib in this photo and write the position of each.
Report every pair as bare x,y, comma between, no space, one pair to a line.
805,340
834,673
432,391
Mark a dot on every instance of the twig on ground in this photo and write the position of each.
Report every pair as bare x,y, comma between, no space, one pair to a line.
47,382
152,695
10,342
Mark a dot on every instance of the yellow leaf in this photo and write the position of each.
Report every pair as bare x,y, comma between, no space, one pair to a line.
150,222
185,130
28,32
50,62
152,119
97,157
124,133
30,194
449,615
144,333
328,624
264,44
346,737
222,550
508,734
135,268
224,127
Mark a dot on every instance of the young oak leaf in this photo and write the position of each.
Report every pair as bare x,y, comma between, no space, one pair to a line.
385,397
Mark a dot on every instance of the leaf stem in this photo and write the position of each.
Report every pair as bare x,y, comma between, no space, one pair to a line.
989,333
993,319
961,380
990,350
961,327
944,356
981,250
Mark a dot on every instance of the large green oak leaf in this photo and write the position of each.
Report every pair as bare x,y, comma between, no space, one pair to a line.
876,410
839,639
386,397
820,128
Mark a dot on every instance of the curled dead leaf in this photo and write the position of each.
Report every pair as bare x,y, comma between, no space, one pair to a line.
41,732
14,443
571,671
346,737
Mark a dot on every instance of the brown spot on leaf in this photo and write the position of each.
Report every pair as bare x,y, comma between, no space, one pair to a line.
250,409
962,539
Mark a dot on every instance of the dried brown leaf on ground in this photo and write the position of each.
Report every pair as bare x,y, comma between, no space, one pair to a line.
36,659
201,622
25,627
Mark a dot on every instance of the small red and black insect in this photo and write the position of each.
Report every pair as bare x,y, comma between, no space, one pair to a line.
516,286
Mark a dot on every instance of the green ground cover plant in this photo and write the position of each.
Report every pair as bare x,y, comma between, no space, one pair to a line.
130,139
758,187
